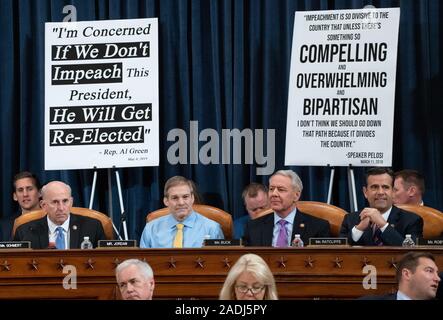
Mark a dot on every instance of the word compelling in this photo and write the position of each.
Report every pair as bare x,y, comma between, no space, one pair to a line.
344,52
86,73
101,113
101,51
87,136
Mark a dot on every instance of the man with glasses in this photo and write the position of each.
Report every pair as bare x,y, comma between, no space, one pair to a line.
249,279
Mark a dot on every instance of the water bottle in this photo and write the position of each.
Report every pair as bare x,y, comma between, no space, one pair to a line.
297,242
408,242
86,243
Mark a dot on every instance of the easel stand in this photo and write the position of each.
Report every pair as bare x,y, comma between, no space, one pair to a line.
122,209
351,186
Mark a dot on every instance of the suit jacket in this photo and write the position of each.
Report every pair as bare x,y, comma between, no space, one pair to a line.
439,295
79,226
259,232
6,225
400,222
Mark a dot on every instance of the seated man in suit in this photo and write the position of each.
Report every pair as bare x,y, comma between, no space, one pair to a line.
255,198
409,187
417,277
381,223
135,280
182,227
27,194
278,229
60,228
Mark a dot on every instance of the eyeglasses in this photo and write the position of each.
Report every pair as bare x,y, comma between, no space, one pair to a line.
245,289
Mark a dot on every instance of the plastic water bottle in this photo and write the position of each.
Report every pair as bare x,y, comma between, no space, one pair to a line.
297,242
86,243
408,242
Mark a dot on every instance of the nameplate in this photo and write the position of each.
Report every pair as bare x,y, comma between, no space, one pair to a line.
438,242
15,245
222,242
117,243
328,241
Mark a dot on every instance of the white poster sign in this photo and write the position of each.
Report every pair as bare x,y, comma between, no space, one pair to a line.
102,94
342,88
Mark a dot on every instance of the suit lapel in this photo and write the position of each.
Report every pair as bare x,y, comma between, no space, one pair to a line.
74,232
394,216
268,230
299,226
43,233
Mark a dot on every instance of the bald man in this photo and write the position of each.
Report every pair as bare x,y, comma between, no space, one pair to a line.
60,228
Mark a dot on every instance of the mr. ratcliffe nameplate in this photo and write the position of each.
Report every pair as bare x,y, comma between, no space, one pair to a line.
328,241
117,243
15,245
222,242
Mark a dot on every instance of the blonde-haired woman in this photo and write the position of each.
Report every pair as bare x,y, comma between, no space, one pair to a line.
249,279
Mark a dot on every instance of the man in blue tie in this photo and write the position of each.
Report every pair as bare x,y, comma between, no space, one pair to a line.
279,228
59,228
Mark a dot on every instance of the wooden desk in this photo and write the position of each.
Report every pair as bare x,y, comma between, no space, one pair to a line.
307,273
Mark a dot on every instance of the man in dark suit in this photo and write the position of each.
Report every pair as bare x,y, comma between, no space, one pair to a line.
417,278
60,228
278,229
381,223
27,194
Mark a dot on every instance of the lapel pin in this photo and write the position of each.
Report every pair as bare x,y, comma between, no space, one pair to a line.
74,227
392,225
302,225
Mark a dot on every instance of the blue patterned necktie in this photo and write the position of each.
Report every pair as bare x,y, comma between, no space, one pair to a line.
282,239
376,235
60,240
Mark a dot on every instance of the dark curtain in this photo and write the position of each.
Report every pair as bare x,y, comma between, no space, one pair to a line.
226,65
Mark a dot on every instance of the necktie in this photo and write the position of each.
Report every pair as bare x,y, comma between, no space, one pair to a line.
60,240
282,239
376,235
178,240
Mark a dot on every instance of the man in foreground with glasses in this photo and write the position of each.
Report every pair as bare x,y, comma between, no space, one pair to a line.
135,280
249,279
